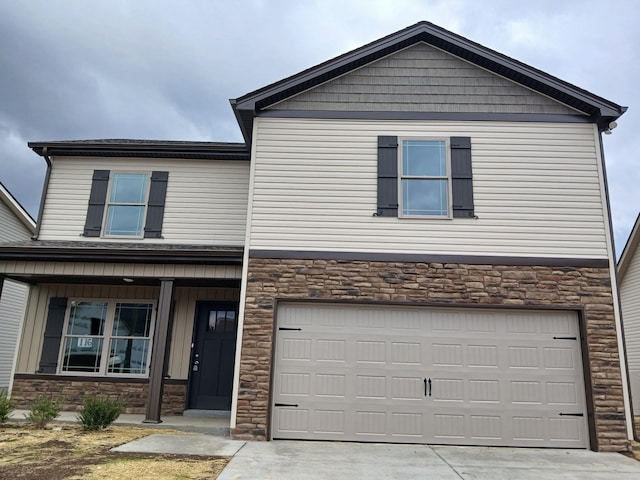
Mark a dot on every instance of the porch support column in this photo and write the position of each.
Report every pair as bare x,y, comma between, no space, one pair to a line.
158,353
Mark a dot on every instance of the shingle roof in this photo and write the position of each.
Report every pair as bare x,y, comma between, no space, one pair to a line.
144,148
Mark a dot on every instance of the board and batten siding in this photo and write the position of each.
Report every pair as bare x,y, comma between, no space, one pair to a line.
422,78
12,228
12,308
181,336
630,300
536,186
206,199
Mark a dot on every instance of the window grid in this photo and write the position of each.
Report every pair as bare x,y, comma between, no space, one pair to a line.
127,204
424,180
107,352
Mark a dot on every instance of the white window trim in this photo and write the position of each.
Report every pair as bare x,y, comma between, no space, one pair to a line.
447,146
108,328
108,203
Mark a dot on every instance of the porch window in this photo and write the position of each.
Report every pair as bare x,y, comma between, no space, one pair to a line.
109,337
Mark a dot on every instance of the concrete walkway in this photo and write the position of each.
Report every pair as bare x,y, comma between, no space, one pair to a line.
294,460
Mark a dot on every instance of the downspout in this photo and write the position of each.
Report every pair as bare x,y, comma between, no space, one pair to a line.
45,188
615,288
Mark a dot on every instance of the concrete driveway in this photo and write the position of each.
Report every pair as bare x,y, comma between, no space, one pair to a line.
289,460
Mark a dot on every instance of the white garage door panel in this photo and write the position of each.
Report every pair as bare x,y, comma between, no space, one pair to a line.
390,374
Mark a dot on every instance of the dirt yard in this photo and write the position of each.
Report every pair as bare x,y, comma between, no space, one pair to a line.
64,451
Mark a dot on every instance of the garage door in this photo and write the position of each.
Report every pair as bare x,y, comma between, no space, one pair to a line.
418,375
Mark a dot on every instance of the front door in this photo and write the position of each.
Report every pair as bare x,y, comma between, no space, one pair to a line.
213,355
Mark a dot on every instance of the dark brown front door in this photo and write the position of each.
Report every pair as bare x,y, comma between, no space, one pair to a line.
213,355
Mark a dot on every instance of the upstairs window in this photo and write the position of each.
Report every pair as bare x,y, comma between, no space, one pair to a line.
127,204
428,178
424,178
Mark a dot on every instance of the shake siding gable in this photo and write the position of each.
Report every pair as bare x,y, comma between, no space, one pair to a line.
206,201
422,78
536,190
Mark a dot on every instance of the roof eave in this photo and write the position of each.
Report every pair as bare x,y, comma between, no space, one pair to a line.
220,151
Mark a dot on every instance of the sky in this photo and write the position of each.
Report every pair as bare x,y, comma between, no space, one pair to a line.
165,70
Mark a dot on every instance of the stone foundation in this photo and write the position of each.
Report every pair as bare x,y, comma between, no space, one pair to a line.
583,288
133,393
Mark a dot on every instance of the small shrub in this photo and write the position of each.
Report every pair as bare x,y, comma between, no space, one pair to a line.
42,411
6,406
99,412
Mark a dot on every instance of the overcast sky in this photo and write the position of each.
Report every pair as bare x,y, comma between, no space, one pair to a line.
164,70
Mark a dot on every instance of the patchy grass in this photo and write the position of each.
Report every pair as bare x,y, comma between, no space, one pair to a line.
65,451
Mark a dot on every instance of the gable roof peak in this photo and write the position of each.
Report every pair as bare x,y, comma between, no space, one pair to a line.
602,111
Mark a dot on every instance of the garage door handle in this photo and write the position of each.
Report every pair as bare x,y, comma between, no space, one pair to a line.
427,387
572,414
286,405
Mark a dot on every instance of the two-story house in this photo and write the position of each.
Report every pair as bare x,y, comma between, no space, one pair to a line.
413,245
15,225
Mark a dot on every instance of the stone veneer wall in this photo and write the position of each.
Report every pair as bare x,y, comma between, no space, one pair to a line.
134,394
435,283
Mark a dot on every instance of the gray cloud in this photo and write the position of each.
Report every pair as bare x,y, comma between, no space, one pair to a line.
165,70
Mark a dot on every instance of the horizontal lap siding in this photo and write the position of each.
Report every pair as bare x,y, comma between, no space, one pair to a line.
206,200
12,306
629,288
12,228
536,190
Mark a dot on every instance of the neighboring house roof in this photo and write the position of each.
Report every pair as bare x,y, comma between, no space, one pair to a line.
597,108
19,211
629,249
143,148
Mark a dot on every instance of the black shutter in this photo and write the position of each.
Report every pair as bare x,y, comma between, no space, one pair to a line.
97,199
387,176
155,207
52,335
461,177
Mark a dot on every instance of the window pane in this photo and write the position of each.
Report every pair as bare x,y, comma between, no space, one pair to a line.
132,320
424,158
87,318
424,197
82,354
128,188
222,321
128,355
125,220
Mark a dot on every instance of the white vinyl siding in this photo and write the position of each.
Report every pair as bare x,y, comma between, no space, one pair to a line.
206,200
181,336
630,299
12,229
12,307
537,190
